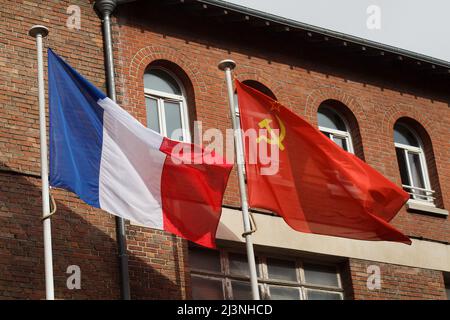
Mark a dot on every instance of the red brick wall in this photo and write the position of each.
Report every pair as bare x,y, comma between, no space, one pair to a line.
82,235
158,268
158,261
145,38
375,107
397,282
19,143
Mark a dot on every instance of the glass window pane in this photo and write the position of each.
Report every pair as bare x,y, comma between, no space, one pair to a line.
417,175
284,293
206,289
239,264
404,136
160,80
173,120
401,160
204,259
447,290
321,275
327,118
241,290
341,142
416,170
281,269
323,295
152,114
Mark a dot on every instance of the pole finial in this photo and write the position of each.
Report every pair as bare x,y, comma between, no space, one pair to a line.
227,64
106,7
38,29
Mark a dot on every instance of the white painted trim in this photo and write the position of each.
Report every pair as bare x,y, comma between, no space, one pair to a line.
161,94
425,207
161,117
339,133
422,202
407,147
274,232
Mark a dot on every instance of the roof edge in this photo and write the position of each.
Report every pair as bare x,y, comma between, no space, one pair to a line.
326,32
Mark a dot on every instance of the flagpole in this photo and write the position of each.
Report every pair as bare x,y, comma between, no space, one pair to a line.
40,32
227,66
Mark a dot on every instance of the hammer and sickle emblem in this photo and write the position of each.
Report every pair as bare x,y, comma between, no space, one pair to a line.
274,139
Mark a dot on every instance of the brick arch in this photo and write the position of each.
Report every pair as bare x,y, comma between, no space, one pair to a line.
315,98
148,54
395,112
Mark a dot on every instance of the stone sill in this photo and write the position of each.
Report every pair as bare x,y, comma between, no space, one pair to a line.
426,208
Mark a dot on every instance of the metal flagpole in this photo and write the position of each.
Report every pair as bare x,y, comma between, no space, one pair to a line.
227,66
39,32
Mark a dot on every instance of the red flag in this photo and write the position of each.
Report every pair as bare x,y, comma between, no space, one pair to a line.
192,192
318,187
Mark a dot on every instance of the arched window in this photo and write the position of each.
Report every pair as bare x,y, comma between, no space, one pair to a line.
412,164
334,126
165,100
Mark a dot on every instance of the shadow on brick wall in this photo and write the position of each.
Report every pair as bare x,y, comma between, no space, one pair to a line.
82,236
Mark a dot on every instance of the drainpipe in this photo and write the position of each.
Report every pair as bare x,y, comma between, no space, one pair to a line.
105,8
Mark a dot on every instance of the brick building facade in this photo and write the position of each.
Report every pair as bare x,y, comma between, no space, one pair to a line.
371,88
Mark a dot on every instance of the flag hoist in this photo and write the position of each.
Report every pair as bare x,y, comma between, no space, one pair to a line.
227,66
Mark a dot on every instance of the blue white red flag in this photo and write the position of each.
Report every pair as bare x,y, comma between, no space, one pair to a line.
111,161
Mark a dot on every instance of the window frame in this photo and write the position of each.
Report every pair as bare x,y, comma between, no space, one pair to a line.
162,97
428,198
264,281
347,135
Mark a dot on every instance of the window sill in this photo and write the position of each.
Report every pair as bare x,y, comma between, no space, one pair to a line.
414,206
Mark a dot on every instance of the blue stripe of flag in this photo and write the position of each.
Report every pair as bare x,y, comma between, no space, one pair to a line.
76,131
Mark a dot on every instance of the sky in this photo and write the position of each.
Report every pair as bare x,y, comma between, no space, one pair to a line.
421,26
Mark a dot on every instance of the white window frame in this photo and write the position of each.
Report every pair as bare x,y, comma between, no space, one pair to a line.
264,282
161,97
339,133
427,199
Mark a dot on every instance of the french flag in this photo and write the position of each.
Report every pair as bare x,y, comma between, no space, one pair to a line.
111,161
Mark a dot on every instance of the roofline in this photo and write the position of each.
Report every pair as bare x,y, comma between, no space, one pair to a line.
326,32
